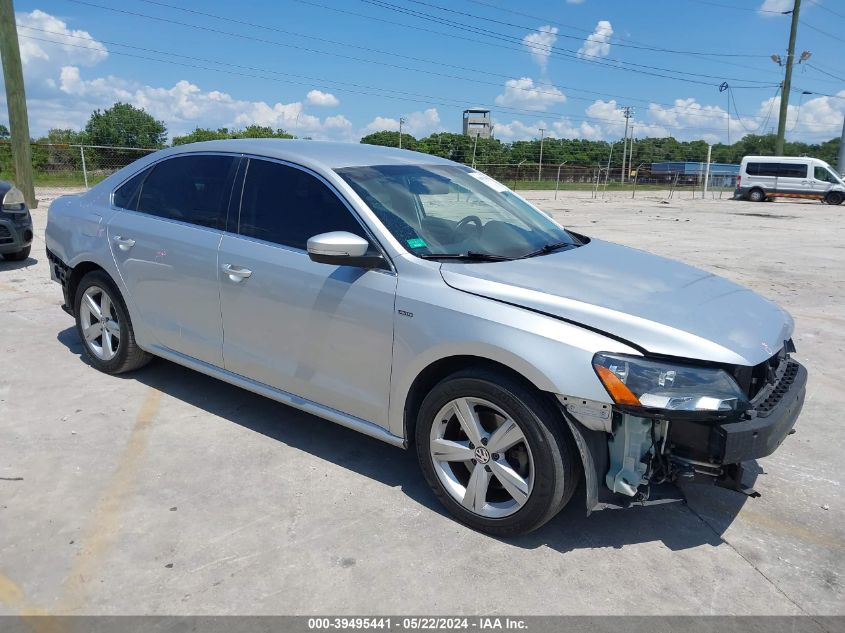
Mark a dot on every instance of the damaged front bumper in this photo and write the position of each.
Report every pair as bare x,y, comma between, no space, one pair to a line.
627,452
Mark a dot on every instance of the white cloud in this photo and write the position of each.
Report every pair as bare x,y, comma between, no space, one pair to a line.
517,130
540,43
42,59
185,106
524,93
418,124
65,45
320,98
597,43
60,95
816,119
775,5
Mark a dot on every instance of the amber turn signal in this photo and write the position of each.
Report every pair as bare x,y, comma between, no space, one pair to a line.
615,387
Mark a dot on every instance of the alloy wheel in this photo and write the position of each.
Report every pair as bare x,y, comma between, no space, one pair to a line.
100,325
481,457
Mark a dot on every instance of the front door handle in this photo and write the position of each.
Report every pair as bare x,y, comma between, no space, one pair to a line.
236,273
123,243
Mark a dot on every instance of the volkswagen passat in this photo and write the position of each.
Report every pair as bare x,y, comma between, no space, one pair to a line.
425,304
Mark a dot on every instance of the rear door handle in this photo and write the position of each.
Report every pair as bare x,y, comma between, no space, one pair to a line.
123,243
236,273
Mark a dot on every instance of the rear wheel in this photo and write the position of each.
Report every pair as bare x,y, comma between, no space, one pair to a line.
19,256
756,195
834,197
103,324
495,452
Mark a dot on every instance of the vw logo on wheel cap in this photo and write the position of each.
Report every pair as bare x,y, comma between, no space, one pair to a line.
482,455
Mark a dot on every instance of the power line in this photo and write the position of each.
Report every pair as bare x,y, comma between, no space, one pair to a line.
563,53
507,38
413,97
536,90
673,107
818,4
575,37
617,41
356,88
818,30
824,72
730,6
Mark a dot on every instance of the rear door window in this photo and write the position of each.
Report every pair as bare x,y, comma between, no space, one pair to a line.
192,189
286,205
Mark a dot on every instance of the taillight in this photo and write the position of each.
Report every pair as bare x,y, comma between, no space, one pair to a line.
738,180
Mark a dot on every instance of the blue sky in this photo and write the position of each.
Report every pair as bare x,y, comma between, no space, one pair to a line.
341,68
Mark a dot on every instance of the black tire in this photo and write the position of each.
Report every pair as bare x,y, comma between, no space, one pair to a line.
19,256
757,195
128,356
834,197
557,466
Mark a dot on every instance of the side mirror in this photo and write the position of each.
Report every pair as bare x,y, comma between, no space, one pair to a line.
341,248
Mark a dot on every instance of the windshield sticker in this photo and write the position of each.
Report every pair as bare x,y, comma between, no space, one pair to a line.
417,242
495,185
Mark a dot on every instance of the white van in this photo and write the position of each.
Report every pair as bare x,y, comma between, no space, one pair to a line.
766,177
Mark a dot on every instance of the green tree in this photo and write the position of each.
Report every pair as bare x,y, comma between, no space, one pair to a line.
124,125
4,132
53,152
252,131
390,139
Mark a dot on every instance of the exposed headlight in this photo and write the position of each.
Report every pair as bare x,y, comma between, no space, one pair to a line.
13,201
637,382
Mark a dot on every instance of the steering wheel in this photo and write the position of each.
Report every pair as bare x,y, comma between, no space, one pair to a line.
470,219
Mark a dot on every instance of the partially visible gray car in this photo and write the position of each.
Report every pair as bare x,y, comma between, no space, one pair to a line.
15,224
425,304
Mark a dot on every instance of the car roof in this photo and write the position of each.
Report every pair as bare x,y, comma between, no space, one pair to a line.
317,154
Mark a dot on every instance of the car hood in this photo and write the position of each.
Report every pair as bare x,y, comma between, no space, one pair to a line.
657,304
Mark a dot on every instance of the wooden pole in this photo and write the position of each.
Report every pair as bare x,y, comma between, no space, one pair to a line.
16,101
787,80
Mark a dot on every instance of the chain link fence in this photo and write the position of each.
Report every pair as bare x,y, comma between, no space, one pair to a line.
600,179
65,165
62,165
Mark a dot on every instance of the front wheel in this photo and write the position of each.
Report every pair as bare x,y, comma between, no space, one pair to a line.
495,452
834,197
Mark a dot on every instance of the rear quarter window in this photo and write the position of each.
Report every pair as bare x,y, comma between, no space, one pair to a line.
126,195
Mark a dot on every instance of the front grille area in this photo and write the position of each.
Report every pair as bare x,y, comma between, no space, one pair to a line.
5,235
771,399
754,380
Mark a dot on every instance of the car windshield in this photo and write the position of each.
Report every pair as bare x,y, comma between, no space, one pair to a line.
455,212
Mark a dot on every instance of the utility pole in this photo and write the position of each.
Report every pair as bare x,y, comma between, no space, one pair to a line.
540,166
631,152
841,162
628,111
16,101
474,145
787,80
401,121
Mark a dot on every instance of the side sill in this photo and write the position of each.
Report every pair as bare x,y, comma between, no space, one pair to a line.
327,413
